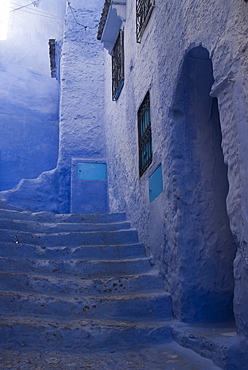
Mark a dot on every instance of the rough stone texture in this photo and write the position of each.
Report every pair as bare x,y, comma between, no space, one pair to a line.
192,230
81,126
82,283
201,186
220,343
212,341
170,355
82,84
186,229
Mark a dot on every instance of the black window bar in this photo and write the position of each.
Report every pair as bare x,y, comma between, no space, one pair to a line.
118,66
144,10
145,135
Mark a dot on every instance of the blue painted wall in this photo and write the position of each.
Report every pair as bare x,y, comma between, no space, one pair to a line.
29,98
156,184
205,244
81,120
192,229
28,124
167,224
89,187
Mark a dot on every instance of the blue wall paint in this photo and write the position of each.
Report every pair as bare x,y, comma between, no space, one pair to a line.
200,177
92,171
29,126
155,184
81,123
51,191
89,187
187,230
82,98
29,98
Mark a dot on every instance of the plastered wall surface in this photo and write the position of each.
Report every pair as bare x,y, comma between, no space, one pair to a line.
178,243
29,98
193,234
81,120
82,98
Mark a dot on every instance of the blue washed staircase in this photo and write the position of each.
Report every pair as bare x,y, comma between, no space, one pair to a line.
77,282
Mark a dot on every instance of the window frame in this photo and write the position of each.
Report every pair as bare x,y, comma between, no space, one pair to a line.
144,10
118,73
144,134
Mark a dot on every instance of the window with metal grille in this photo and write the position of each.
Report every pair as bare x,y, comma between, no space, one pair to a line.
144,10
52,53
144,135
118,66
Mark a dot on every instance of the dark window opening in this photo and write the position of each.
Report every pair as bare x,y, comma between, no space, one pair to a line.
145,135
118,66
144,10
52,53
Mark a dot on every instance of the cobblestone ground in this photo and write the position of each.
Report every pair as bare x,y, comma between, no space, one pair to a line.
168,356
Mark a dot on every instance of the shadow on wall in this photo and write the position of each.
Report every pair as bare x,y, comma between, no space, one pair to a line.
205,245
29,115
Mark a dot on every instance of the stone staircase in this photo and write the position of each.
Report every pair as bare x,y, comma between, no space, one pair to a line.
77,282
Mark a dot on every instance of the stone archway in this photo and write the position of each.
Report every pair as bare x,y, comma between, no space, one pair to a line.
205,245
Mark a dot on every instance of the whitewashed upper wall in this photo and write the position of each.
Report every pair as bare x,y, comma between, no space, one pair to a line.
82,84
155,64
82,131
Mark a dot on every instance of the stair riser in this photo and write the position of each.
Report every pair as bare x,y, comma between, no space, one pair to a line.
157,308
71,239
47,272
64,253
21,337
37,227
82,269
56,218
81,288
205,346
9,207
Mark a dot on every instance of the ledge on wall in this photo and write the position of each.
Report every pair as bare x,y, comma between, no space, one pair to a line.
112,18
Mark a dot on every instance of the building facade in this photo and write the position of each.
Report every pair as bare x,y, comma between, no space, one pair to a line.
80,137
158,121
177,143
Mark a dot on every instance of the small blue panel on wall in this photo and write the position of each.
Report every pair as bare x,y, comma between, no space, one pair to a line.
155,184
92,171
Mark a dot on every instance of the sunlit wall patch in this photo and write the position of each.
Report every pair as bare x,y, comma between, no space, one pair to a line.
4,18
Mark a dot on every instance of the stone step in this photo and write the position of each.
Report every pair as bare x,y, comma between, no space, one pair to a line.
139,307
217,342
49,217
77,282
70,238
114,252
52,227
122,285
6,206
89,269
36,333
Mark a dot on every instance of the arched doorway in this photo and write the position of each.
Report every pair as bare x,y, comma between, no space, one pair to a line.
205,244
